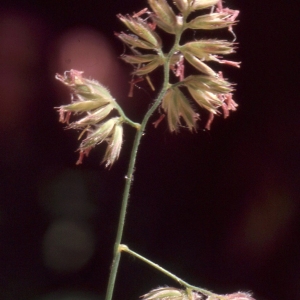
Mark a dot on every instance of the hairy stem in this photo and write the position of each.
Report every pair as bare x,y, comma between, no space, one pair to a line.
164,271
139,134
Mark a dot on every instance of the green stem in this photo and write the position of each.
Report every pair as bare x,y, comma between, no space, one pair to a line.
124,117
164,271
139,134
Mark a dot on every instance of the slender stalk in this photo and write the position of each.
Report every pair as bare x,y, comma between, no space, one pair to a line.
139,134
125,118
164,271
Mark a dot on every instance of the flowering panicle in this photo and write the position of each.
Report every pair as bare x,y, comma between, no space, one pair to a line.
197,53
169,293
207,88
94,101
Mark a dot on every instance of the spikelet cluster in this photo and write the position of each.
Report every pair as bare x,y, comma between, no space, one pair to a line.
170,293
93,102
207,87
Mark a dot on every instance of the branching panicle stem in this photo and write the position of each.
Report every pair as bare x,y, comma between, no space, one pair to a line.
138,135
209,90
125,118
164,271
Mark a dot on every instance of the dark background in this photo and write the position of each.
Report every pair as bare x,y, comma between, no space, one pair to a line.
220,209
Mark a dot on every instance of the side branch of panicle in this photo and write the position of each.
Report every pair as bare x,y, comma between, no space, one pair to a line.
94,103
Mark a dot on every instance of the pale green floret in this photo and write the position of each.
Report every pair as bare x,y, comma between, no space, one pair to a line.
114,146
138,59
93,97
149,67
100,134
83,106
166,293
211,21
201,4
135,41
93,118
208,83
182,5
98,89
176,106
140,28
198,64
203,48
164,17
164,26
207,100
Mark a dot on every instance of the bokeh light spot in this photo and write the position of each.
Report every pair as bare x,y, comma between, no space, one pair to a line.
68,245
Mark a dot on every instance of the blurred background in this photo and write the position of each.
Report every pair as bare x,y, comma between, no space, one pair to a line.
220,209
